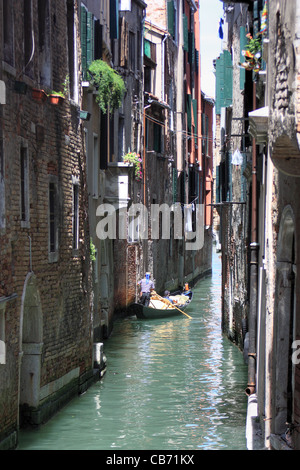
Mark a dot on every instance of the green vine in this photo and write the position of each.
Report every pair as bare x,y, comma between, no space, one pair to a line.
109,84
134,158
92,251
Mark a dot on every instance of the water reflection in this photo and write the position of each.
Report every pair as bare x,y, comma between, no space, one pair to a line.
175,384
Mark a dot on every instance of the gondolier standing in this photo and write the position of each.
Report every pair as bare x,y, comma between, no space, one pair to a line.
146,285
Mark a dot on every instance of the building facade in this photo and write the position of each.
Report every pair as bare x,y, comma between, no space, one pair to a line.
46,326
268,267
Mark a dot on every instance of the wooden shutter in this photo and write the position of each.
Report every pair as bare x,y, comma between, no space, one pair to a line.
243,42
98,40
171,18
185,33
83,42
90,39
124,45
195,111
114,19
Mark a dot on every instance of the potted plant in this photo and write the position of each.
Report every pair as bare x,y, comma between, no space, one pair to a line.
252,54
134,159
39,95
109,85
56,97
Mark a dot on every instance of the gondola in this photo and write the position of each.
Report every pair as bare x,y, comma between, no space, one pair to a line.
152,311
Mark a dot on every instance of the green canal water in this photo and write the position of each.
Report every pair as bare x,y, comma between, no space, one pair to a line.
170,385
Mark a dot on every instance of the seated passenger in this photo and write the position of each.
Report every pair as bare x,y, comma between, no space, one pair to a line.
167,296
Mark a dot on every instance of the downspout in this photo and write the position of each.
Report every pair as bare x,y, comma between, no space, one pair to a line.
251,387
144,152
163,67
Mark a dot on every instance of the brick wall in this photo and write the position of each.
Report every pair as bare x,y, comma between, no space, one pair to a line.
60,298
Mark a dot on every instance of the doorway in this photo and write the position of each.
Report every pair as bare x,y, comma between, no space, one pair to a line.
31,331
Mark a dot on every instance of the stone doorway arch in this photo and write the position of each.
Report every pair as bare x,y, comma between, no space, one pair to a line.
31,345
284,323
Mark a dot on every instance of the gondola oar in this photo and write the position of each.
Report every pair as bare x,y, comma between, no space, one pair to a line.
174,306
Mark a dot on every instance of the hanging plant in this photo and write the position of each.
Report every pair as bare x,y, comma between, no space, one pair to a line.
252,54
136,160
109,84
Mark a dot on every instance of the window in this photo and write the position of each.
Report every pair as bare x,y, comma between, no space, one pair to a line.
24,187
53,221
75,214
8,32
28,38
91,40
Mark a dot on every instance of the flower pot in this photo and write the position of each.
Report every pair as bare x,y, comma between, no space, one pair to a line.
39,95
56,99
20,87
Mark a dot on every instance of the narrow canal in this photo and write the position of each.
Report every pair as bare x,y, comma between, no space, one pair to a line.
170,385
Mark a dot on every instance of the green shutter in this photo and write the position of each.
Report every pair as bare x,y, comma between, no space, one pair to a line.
223,81
195,111
189,112
114,19
83,42
147,48
185,33
171,18
191,48
228,78
243,43
197,58
90,39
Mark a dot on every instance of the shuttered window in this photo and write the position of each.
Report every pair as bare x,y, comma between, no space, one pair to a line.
223,81
91,40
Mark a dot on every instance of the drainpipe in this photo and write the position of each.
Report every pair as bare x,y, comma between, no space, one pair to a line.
163,67
251,387
144,153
